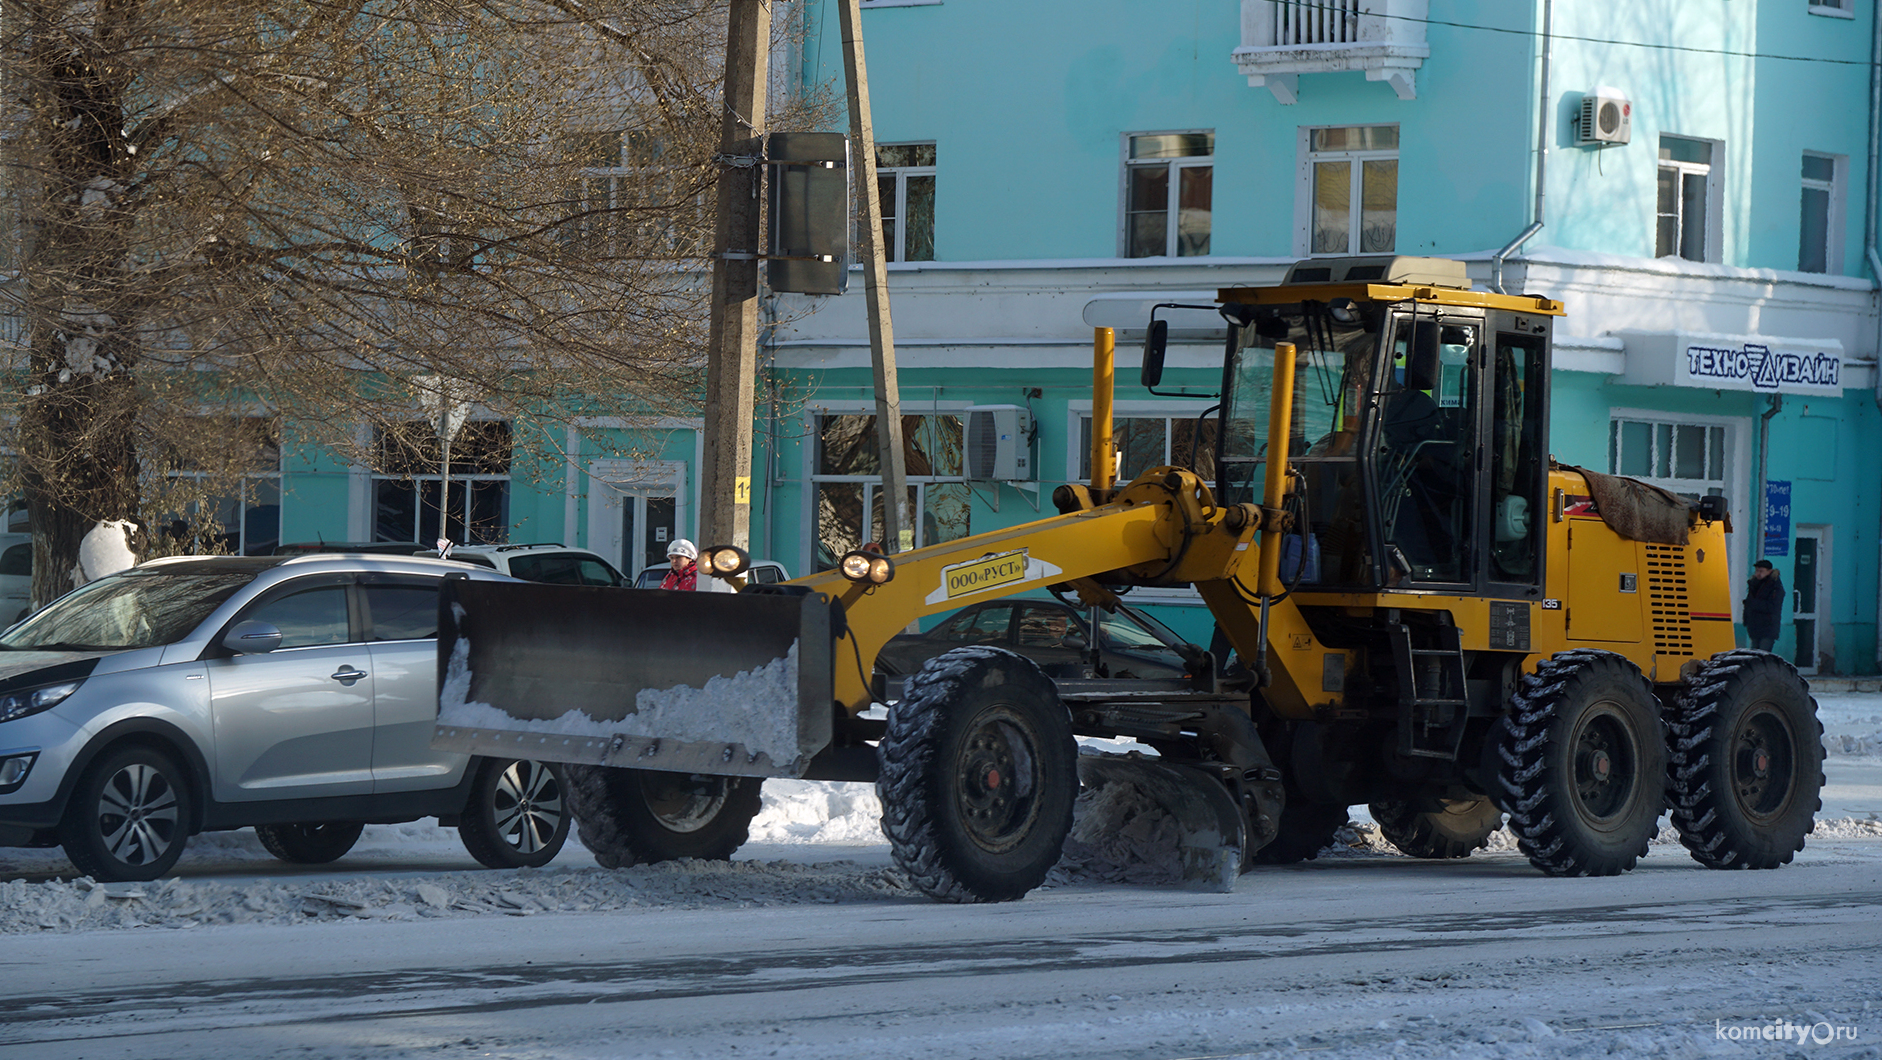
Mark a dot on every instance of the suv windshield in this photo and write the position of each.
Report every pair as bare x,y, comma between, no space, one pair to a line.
137,609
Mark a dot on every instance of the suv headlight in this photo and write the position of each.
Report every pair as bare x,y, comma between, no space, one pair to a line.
33,700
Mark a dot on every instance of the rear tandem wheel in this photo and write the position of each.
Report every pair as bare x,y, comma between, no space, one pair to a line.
1745,755
1581,764
978,776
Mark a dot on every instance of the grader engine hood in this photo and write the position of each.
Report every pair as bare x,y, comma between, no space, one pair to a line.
690,682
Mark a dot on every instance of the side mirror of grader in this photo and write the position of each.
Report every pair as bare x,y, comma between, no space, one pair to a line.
1156,341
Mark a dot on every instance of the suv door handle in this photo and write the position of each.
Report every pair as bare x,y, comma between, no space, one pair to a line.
348,675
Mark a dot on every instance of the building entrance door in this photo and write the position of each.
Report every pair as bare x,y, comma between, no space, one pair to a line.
1810,600
634,512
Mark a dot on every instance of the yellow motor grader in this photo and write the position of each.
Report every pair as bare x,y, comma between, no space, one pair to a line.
1417,609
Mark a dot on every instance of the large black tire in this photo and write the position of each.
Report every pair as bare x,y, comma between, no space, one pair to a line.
309,844
517,815
1307,828
1745,762
642,816
979,770
1437,828
1582,764
129,815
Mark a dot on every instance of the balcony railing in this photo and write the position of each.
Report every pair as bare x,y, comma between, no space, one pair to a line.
1282,39
1316,22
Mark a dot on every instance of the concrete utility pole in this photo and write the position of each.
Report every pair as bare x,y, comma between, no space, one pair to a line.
898,531
732,368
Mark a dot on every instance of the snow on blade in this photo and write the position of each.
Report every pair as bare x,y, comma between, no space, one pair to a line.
756,708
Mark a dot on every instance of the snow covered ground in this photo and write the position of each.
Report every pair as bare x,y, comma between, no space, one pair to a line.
812,945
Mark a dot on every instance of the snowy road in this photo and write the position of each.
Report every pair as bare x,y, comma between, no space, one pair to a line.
1342,956
812,946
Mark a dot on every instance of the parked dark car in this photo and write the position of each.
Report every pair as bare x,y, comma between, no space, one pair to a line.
1056,636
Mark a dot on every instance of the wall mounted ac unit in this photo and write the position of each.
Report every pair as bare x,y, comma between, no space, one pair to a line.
999,443
1606,118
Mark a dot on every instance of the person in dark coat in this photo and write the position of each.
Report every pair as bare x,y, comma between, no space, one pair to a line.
1764,605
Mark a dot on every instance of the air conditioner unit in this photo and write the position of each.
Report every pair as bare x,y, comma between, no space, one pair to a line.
999,443
1606,118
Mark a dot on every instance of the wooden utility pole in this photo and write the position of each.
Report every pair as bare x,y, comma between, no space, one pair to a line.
897,529
732,368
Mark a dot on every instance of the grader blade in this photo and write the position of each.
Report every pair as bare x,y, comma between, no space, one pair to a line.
687,682
1210,834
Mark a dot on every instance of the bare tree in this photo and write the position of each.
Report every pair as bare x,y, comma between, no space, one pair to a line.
299,208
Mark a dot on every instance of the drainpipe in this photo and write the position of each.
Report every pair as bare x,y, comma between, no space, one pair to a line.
1542,155
1872,252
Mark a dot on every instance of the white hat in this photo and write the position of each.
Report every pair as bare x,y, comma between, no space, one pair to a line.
682,547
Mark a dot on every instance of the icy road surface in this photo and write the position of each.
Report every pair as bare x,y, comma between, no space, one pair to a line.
811,946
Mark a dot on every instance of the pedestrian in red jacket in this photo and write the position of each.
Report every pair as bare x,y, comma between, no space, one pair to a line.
684,559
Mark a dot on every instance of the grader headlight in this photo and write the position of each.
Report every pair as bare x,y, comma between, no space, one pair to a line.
861,566
725,561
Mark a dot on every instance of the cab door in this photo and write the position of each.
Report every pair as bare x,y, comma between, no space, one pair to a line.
296,722
1425,450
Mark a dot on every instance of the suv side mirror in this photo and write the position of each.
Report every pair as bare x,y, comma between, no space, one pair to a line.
1156,339
252,638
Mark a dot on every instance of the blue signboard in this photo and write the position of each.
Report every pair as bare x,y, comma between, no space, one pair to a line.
1777,518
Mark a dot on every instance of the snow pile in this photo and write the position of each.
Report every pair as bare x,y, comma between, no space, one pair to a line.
1120,835
82,905
1867,746
755,708
810,811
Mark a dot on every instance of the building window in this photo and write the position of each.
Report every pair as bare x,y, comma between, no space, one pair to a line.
1687,458
1687,200
633,201
225,488
905,184
1353,180
1168,180
408,480
1818,248
1144,442
1837,8
847,480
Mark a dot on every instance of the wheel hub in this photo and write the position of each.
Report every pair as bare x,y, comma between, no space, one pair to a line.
1603,767
1761,771
992,791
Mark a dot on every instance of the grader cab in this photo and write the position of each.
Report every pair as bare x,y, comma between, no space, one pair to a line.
1426,614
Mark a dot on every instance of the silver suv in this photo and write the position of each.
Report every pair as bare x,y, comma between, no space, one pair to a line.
296,694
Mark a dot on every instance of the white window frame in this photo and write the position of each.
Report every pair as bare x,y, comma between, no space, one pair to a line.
807,521
1304,189
624,172
1833,222
1737,482
1172,203
1832,8
243,496
459,495
1714,172
898,251
1077,411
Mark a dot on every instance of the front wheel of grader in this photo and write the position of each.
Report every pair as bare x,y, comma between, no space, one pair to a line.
1581,764
978,776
